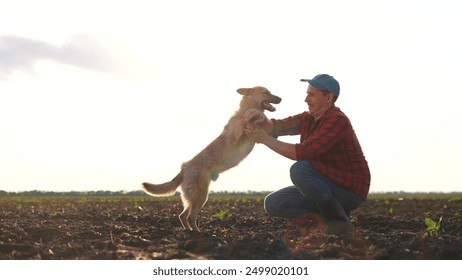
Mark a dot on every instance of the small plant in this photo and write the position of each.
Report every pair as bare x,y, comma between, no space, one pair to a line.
222,214
57,213
433,228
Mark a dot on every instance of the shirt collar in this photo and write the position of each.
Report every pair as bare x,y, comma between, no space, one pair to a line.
329,111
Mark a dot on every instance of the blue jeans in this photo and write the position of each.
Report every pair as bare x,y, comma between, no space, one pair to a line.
309,191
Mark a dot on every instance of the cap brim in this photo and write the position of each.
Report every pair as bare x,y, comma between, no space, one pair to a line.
314,84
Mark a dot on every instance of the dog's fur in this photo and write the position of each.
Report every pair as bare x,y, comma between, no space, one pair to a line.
225,152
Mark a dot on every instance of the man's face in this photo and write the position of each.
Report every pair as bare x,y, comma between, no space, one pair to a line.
318,101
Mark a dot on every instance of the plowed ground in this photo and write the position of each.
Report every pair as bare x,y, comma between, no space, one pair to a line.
148,228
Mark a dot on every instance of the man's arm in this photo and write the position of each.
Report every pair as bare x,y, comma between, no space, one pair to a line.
260,136
275,128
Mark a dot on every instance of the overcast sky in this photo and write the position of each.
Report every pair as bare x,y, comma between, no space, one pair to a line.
102,95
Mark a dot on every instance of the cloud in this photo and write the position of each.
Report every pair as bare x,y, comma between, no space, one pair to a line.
83,51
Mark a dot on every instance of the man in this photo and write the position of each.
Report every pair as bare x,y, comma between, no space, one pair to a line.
331,176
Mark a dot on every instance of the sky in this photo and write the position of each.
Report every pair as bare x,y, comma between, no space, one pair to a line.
104,95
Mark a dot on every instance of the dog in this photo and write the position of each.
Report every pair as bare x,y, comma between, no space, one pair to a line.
223,153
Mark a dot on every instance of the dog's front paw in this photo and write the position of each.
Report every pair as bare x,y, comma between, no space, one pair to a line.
254,117
249,125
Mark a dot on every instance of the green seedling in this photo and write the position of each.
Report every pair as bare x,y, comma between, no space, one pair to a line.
57,213
222,214
433,228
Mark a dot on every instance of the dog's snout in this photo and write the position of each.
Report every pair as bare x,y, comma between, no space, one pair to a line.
276,99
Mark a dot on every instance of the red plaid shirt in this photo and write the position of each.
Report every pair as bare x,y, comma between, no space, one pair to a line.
331,146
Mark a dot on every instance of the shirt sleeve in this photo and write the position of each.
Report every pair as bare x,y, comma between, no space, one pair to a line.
287,126
328,133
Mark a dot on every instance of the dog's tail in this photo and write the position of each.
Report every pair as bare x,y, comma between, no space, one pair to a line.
165,189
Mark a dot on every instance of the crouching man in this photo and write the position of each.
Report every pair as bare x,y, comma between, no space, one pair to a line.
331,176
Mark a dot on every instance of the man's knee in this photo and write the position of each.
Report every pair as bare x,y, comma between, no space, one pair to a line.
299,171
310,182
270,204
279,202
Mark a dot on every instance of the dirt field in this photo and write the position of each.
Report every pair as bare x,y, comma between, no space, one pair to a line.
233,228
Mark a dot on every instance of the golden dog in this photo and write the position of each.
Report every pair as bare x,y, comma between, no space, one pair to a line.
225,152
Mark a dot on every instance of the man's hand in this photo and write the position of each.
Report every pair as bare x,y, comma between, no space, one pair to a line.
257,134
254,122
257,126
254,116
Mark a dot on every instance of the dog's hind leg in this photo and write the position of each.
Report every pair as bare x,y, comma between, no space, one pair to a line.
184,217
194,195
187,198
201,199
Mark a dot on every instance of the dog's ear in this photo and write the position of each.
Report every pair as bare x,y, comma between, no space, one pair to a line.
244,91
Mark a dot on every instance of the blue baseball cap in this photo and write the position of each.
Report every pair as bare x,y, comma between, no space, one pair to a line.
324,82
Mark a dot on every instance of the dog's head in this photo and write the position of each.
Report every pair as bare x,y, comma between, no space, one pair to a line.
261,98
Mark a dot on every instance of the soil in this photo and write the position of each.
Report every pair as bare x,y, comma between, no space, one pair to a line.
147,228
